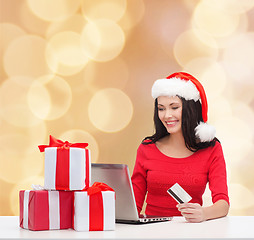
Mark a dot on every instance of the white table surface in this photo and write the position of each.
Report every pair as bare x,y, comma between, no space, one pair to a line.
224,228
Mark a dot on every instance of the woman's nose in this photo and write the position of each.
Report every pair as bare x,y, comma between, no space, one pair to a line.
168,114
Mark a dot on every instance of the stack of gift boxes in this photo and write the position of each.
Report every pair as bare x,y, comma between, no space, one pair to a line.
67,200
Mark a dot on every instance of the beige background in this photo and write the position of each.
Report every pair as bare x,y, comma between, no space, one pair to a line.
83,70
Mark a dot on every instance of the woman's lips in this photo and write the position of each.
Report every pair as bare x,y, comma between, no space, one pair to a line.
171,123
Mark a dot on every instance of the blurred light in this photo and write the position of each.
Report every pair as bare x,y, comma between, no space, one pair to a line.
18,166
230,6
113,73
110,110
56,10
187,47
211,74
244,112
8,33
55,98
236,192
26,139
242,28
214,80
166,28
219,108
133,15
25,57
236,138
244,173
213,21
238,58
78,135
39,100
198,66
29,21
75,23
64,55
24,184
106,9
102,40
13,103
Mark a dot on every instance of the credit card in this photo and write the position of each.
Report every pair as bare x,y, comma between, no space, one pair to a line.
179,194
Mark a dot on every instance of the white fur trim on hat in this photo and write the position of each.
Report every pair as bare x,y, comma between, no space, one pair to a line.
175,86
205,132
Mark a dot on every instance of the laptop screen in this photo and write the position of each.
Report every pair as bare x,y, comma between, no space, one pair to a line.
117,176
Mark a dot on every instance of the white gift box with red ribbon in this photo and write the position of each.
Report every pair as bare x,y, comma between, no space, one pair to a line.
67,165
67,169
94,211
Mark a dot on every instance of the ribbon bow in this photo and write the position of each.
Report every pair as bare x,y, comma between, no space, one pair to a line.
54,142
98,187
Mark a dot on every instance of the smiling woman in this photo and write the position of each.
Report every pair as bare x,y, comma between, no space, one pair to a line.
183,150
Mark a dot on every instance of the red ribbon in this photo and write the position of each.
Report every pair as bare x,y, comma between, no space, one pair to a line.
54,142
62,178
96,217
97,187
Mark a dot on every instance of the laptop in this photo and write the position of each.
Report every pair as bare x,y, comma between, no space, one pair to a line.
117,176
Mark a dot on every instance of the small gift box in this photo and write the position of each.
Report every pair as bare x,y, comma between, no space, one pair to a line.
45,210
67,165
94,209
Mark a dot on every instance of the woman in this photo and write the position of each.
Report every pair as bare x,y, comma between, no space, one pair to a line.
183,150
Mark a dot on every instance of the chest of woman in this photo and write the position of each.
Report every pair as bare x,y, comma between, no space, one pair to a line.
190,173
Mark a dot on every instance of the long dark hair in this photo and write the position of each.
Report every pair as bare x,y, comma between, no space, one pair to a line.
191,117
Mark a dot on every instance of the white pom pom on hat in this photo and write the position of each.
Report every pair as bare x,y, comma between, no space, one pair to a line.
186,86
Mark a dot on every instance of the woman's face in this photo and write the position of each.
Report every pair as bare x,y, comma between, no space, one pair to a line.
170,113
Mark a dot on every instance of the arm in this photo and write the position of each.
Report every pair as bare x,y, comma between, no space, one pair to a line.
217,210
217,178
139,180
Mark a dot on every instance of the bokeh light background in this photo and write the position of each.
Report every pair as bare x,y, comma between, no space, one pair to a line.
82,70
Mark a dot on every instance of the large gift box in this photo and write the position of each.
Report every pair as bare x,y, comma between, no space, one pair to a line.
46,210
67,165
94,209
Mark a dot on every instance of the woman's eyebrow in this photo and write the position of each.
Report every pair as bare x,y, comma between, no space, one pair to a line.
173,103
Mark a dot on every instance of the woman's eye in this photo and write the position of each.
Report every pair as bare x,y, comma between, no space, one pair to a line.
174,108
160,109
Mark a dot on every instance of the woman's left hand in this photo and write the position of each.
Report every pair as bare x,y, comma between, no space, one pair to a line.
192,212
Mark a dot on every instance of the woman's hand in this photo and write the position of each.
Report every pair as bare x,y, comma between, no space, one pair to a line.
192,212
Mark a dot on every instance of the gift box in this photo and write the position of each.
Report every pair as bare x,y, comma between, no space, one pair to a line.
67,165
46,210
94,209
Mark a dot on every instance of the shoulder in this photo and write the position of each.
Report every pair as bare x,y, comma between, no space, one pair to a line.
147,144
213,154
212,151
217,148
146,148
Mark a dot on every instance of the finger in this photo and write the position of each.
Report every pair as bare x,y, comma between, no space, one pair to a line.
192,220
182,206
188,211
191,205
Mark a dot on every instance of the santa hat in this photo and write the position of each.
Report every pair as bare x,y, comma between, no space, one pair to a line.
186,86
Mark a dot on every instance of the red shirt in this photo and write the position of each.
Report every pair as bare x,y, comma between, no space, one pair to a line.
155,172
